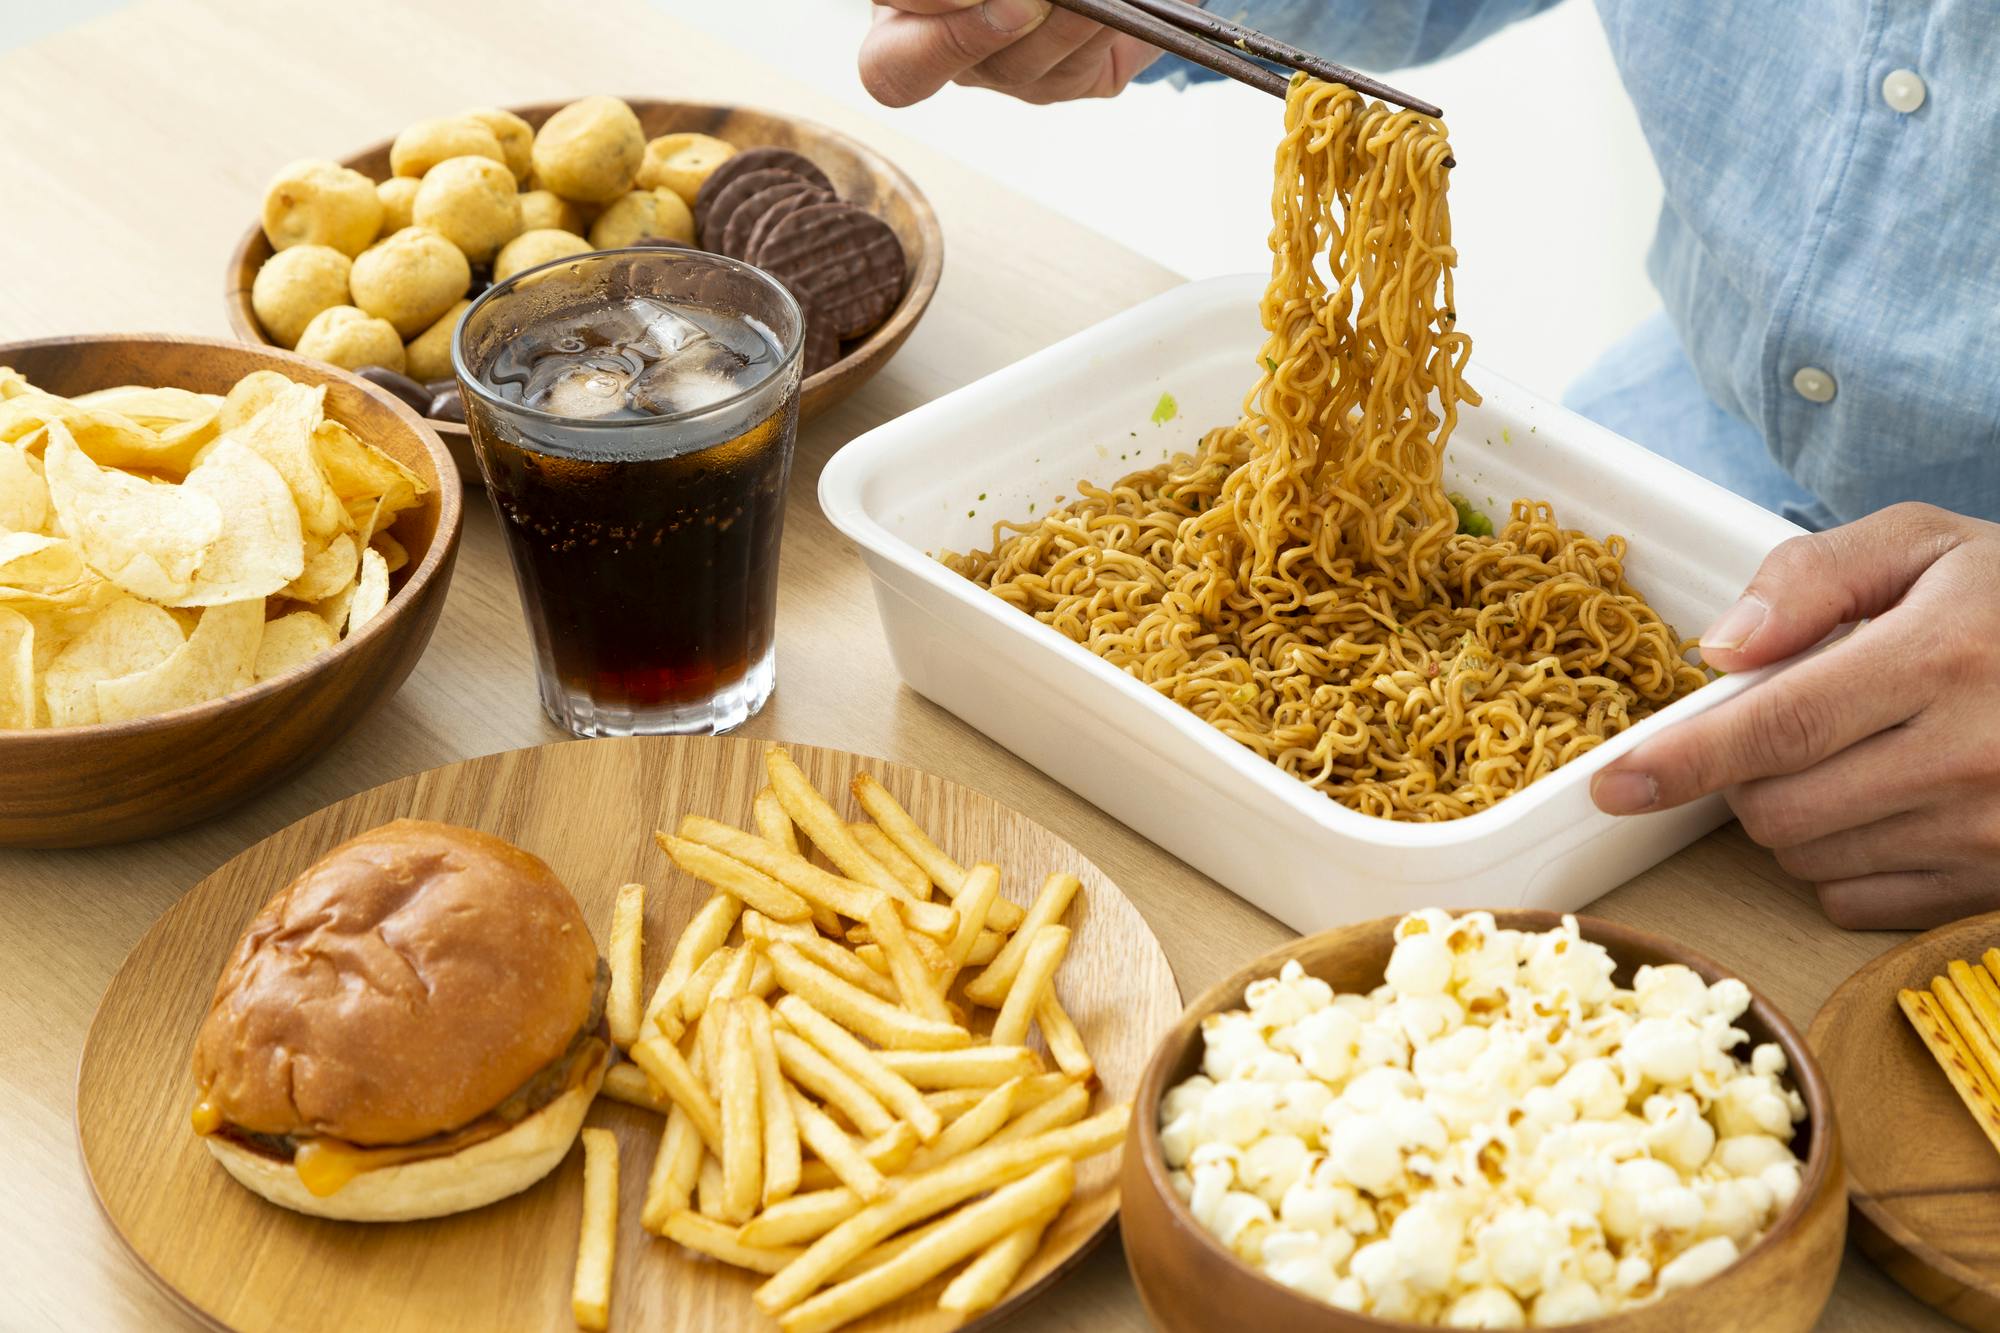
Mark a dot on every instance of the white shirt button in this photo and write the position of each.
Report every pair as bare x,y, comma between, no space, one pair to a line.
1903,90
1814,385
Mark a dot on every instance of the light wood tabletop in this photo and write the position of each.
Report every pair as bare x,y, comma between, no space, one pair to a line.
133,150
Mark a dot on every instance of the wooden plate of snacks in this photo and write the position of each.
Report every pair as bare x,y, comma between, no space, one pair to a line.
1923,1177
856,174
590,810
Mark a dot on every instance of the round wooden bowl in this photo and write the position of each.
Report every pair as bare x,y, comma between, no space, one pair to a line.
1190,1283
83,786
859,174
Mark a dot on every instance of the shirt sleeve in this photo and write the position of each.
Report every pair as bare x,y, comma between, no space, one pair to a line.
1375,35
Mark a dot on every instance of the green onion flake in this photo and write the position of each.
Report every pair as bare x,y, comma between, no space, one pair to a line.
1471,521
1165,410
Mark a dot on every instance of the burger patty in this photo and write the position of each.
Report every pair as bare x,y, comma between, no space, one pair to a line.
542,1087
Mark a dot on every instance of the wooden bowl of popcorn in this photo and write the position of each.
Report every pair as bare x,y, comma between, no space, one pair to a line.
1495,1120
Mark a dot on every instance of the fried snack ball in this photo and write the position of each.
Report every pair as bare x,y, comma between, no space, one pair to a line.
410,279
681,162
590,150
471,202
516,136
531,248
397,194
429,142
315,202
545,210
296,284
351,339
428,357
643,213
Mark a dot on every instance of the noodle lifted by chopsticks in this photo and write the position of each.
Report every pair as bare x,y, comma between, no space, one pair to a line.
1300,581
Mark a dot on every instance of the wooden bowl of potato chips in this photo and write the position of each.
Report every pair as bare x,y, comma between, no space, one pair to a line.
214,560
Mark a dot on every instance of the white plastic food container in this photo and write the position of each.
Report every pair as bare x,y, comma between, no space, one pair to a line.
938,477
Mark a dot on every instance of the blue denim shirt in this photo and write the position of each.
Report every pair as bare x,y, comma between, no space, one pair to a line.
1827,230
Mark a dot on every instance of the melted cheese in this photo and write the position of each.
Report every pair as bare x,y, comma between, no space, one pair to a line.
207,1117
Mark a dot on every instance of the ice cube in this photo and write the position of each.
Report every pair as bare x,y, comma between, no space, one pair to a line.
654,330
683,384
576,389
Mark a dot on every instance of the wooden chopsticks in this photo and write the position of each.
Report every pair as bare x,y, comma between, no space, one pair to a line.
1226,47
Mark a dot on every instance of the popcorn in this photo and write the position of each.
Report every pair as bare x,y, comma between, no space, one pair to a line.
1496,1136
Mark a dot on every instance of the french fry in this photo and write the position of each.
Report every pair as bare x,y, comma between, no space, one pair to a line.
858,1010
1065,1042
754,887
805,1065
708,1188
837,1044
871,954
1960,1066
705,933
742,1117
735,978
1031,982
761,928
896,823
675,1170
781,1130
705,1235
923,1196
1065,1108
989,988
763,980
915,982
803,1217
888,1152
597,1239
890,1248
663,1063
772,821
981,1283
831,1144
968,1131
1967,1022
987,947
815,885
892,859
1038,1088
975,903
973,1067
951,1103
971,1229
622,1007
849,966
695,991
628,1083
828,831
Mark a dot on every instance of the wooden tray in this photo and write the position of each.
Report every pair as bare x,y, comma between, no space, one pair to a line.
1924,1182
589,808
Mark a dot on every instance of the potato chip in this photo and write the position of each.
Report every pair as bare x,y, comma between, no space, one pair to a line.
17,670
358,470
282,434
31,561
154,409
249,396
146,537
327,571
333,610
24,496
371,591
13,383
125,637
261,548
218,658
111,440
392,552
290,640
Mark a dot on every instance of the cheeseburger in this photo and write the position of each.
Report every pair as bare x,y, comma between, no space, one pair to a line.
412,1027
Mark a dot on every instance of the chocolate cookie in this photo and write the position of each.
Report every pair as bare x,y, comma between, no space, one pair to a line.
753,159
840,259
759,208
734,195
822,344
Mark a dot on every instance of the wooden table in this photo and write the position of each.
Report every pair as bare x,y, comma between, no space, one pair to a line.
133,148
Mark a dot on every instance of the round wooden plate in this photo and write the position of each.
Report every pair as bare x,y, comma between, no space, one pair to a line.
1924,1182
589,809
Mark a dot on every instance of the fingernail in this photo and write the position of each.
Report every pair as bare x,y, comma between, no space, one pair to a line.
1623,792
1737,624
1014,15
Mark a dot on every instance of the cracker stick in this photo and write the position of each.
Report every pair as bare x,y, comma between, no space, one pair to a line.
717,1240
753,886
1967,1022
837,1044
1982,995
597,1240
990,987
906,833
892,859
1031,982
624,952
1960,1066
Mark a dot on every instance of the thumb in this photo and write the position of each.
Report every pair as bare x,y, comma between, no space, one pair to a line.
908,56
1810,586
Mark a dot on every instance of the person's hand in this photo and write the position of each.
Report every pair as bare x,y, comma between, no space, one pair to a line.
1873,768
1019,47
